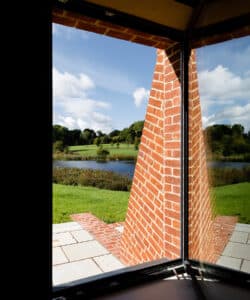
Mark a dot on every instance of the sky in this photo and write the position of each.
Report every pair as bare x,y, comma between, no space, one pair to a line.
103,83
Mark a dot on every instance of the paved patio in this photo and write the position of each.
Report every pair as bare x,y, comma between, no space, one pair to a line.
77,254
90,247
236,254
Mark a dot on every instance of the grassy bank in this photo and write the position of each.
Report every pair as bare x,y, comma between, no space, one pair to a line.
111,206
234,199
124,150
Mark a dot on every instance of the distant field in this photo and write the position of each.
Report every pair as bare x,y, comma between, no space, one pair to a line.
111,206
90,150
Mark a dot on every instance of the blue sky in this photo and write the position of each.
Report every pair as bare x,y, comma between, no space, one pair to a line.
103,83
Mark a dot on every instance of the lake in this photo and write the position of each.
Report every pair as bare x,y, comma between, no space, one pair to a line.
127,167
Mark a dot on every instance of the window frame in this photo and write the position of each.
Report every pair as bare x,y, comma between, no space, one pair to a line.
159,269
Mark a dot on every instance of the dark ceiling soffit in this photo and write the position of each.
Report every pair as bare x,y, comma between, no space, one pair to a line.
191,3
119,18
195,16
222,27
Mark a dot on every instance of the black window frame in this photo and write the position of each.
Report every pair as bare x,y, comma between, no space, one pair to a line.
116,280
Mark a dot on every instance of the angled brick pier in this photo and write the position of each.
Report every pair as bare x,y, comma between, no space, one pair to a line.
152,226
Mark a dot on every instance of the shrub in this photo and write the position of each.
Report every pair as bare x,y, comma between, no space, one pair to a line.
102,153
58,146
89,177
224,176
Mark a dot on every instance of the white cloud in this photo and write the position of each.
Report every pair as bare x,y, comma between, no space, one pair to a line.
223,91
222,84
140,95
230,115
69,85
72,106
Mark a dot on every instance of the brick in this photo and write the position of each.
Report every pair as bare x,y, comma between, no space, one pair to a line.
154,102
112,26
57,12
144,41
173,197
91,27
64,20
158,85
119,35
76,16
159,68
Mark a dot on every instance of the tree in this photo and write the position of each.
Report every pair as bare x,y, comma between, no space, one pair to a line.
102,153
114,133
137,142
60,133
237,130
97,141
88,136
58,146
105,139
74,137
99,133
138,127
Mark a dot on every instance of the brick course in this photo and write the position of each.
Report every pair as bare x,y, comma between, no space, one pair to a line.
80,21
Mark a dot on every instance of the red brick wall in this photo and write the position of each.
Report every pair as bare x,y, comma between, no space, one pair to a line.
152,226
200,210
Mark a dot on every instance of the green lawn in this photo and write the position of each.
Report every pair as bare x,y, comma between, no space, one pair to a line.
232,200
90,150
110,206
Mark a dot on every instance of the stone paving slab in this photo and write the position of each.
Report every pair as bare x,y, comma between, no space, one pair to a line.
242,227
63,238
108,263
239,236
74,270
58,257
82,235
230,262
245,266
237,250
84,250
68,226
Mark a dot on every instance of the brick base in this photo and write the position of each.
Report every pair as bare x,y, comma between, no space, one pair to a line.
110,237
104,233
223,227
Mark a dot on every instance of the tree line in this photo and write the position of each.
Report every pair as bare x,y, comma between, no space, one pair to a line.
227,140
65,137
222,140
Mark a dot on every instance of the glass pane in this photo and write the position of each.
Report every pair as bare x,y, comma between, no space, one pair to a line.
116,167
219,155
